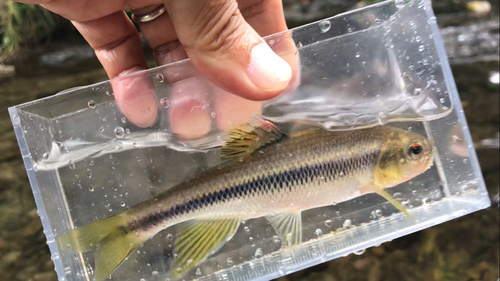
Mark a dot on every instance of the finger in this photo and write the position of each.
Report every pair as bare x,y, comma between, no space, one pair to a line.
118,48
267,17
227,50
161,37
188,108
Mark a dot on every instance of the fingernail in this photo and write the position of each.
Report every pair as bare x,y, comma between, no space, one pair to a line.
190,119
267,70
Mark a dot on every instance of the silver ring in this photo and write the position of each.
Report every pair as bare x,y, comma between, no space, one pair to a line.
160,10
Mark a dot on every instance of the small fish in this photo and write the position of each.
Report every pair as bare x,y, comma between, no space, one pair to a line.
264,173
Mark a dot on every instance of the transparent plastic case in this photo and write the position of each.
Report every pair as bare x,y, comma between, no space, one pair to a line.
382,64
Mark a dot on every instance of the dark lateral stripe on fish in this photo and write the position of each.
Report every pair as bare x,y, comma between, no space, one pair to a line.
330,171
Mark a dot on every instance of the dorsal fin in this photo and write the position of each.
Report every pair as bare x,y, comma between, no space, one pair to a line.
247,138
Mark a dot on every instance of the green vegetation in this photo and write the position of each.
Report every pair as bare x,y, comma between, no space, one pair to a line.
21,25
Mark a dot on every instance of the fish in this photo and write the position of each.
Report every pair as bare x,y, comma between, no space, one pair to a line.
263,173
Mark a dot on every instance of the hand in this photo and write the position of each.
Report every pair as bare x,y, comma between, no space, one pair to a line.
222,40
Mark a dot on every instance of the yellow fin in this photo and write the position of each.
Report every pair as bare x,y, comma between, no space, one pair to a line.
85,238
197,239
288,226
394,202
112,251
108,237
244,140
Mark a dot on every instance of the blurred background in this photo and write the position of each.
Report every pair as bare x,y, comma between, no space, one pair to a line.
41,54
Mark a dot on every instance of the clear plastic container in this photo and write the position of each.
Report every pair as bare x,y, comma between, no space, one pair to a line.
382,64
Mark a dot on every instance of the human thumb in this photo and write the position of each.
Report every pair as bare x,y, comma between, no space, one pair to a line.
227,50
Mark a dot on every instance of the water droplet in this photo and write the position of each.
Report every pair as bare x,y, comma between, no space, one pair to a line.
328,223
319,232
442,100
124,120
170,236
71,165
213,114
91,104
421,48
154,273
271,42
45,156
122,204
397,195
247,230
376,214
347,224
119,132
91,188
160,78
465,161
360,252
432,20
127,131
165,102
101,129
229,262
324,26
276,239
418,38
258,253
16,120
198,271
358,55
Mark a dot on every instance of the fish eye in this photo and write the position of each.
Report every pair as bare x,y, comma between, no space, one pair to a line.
414,150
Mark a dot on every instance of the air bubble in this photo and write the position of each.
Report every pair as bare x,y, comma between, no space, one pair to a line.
229,262
328,223
347,224
358,55
198,271
45,156
360,252
91,104
324,26
122,203
247,230
124,120
421,48
160,78
170,236
442,100
213,114
417,91
165,102
101,129
119,132
16,120
108,93
318,232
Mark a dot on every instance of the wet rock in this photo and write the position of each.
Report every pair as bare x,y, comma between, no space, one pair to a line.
45,276
11,257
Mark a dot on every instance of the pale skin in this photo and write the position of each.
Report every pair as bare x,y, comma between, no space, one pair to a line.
222,38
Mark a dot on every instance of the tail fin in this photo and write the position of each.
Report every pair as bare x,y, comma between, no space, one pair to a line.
110,240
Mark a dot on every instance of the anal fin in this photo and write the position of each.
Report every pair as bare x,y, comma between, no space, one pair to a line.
288,226
197,239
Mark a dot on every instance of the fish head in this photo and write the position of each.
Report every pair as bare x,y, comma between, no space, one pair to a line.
403,156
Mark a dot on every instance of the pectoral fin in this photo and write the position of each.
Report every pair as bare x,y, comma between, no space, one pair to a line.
395,203
288,226
197,239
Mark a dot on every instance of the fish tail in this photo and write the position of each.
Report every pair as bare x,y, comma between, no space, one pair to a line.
110,239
